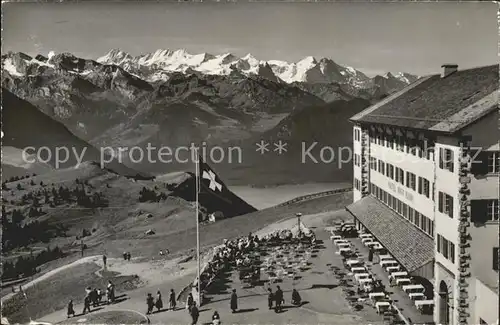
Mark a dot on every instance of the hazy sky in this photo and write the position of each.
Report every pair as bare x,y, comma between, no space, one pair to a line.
372,37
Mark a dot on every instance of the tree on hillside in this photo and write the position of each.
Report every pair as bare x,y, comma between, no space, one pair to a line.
17,217
19,187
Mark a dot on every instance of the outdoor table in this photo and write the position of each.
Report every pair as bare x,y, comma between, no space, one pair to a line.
344,250
351,262
365,281
385,263
403,281
343,245
360,276
338,241
366,240
416,296
375,295
385,257
381,305
413,288
396,275
421,303
393,269
335,237
358,269
372,243
365,236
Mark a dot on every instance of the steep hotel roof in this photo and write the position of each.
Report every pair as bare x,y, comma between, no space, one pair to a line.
438,104
407,244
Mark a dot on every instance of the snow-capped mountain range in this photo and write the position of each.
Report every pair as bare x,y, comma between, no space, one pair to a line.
173,97
156,66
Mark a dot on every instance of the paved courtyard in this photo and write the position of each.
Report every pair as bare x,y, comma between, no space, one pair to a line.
323,298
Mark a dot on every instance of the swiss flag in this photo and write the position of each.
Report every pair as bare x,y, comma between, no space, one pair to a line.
210,182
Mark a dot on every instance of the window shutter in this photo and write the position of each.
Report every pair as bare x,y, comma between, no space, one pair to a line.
479,211
440,201
480,164
441,158
495,259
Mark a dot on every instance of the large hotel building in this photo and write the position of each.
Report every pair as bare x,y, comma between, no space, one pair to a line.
426,185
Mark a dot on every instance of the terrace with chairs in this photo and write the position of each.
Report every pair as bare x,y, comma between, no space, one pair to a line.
386,284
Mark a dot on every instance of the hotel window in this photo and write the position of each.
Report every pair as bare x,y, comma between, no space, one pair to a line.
373,163
445,204
423,223
400,207
400,176
405,210
357,136
493,210
420,149
431,228
412,144
357,160
446,159
416,221
424,187
411,214
411,180
427,188
390,171
390,142
399,143
493,162
446,248
429,151
384,196
381,167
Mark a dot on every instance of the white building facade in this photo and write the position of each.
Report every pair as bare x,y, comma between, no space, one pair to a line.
430,154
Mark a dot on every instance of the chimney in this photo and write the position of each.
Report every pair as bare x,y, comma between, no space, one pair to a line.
448,69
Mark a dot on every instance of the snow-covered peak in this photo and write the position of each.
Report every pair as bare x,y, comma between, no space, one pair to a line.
307,61
115,56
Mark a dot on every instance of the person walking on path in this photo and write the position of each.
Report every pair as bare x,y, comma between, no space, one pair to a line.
86,304
270,298
190,302
159,301
71,310
195,313
278,297
150,303
172,299
234,301
104,260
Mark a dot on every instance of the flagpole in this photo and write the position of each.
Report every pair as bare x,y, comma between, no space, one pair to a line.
198,226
